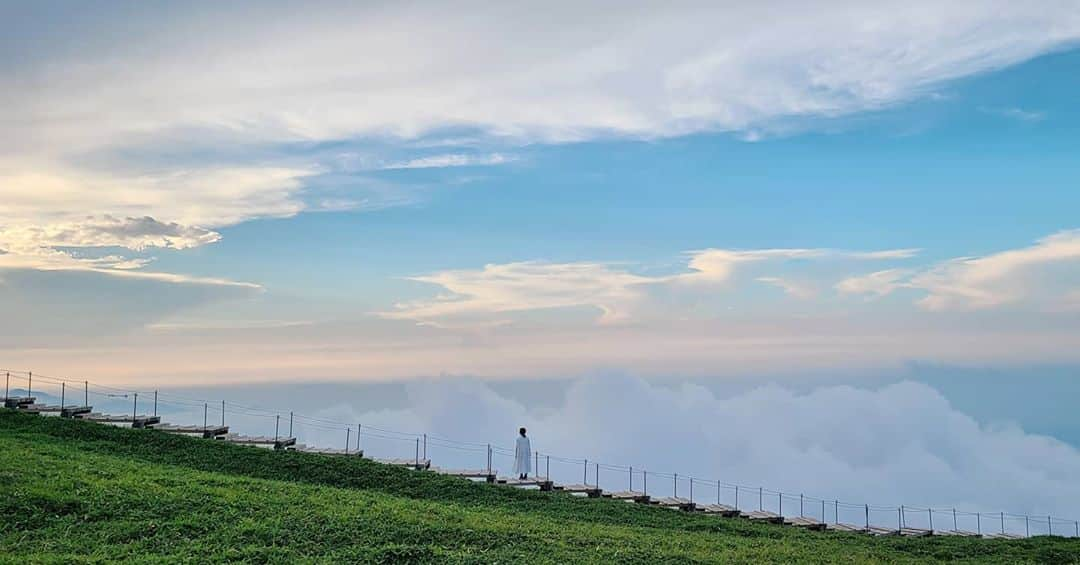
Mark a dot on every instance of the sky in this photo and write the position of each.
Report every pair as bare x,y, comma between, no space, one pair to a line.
880,196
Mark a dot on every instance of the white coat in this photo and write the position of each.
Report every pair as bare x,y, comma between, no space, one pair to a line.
522,456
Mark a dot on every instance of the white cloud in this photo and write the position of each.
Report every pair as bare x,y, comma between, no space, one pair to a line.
878,283
91,114
899,444
1018,114
792,288
565,71
1042,275
615,291
450,160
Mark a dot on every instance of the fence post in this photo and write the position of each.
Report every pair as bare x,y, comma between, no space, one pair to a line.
348,438
691,490
62,391
978,523
954,520
135,410
823,512
836,512
277,426
868,517
676,493
425,447
585,480
900,518
631,478
1027,526
359,449
780,506
417,463
1003,522
7,386
596,475
204,409
30,384
760,498
930,513
736,497
155,403
536,464
548,463
903,520
489,459
86,393
290,423
645,482
222,412
719,490
801,506
1049,526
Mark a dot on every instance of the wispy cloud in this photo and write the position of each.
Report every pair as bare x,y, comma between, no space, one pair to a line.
450,160
1016,276
1018,114
610,288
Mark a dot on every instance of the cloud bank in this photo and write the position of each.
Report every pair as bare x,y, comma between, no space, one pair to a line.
899,444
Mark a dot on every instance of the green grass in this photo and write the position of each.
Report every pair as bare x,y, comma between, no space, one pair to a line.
73,491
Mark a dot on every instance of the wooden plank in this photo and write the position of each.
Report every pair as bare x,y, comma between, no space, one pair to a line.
673,502
1003,536
879,531
718,509
804,522
763,516
63,411
841,527
588,490
207,432
422,464
960,533
467,473
325,451
135,422
258,441
17,401
632,496
915,532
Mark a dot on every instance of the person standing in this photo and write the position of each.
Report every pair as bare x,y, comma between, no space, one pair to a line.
522,456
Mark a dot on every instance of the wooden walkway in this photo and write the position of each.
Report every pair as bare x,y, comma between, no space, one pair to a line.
588,490
206,432
55,410
629,495
325,451
221,433
265,442
117,420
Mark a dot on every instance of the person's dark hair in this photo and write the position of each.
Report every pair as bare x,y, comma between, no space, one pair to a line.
521,431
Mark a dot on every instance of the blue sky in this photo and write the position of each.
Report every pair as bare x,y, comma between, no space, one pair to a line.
860,215
683,193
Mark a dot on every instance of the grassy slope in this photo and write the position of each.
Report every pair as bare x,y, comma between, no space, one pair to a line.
77,491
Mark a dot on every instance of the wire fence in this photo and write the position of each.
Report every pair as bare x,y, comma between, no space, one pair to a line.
388,443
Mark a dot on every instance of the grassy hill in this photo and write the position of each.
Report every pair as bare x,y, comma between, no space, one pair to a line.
72,491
